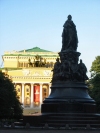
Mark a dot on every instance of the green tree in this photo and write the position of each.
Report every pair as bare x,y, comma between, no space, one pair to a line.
94,89
10,107
94,82
95,68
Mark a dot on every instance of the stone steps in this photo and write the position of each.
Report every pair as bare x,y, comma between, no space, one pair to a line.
59,125
73,120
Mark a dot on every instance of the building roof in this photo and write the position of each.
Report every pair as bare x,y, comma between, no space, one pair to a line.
32,52
35,49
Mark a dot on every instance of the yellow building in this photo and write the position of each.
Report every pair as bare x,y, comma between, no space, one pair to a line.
30,70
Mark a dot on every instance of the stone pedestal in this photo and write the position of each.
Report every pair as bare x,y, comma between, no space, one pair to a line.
69,97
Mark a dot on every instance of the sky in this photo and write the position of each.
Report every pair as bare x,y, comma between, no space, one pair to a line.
25,24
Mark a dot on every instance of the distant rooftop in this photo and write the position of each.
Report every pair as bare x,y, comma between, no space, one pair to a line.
35,49
32,52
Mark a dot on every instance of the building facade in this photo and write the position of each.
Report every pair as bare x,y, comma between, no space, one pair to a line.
31,72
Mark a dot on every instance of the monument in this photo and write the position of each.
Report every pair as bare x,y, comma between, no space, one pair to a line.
69,90
69,104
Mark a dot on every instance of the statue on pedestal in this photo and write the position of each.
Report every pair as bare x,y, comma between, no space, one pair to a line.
68,68
69,93
69,101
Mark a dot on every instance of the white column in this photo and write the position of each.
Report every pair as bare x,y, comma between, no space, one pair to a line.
23,94
49,89
40,94
32,86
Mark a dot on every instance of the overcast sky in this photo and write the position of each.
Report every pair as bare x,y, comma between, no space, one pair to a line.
25,24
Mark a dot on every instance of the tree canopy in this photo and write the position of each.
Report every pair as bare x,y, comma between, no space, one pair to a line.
10,107
94,82
95,68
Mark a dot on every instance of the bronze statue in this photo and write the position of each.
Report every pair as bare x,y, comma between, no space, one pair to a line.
83,70
37,62
69,96
69,35
30,63
68,69
56,70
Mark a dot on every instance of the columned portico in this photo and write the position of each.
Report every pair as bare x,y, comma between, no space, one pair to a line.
36,92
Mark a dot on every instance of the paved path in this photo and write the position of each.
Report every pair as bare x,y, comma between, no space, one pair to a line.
47,131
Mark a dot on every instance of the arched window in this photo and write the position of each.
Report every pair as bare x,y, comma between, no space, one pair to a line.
19,91
27,95
45,91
